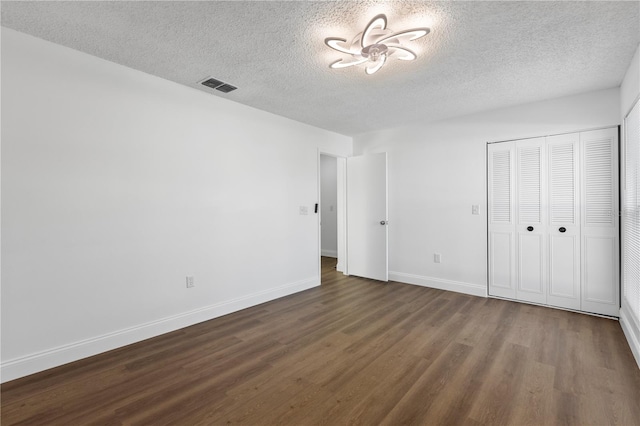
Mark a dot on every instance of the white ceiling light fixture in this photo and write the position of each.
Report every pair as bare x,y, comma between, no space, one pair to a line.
375,45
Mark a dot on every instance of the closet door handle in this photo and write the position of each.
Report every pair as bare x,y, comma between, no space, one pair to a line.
529,228
562,229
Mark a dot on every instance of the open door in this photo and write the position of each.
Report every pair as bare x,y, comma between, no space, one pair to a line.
367,232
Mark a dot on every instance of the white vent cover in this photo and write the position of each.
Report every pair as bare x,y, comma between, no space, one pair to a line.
218,85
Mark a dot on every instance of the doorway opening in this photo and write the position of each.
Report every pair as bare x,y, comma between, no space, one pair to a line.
331,212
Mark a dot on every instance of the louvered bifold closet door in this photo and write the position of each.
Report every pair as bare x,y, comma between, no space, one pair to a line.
531,228
564,221
502,251
631,217
600,241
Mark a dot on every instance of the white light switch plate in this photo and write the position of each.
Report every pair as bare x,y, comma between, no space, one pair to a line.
304,210
475,209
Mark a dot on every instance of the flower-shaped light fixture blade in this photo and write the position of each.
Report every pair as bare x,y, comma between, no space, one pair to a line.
335,44
407,55
410,35
380,22
340,63
375,45
376,65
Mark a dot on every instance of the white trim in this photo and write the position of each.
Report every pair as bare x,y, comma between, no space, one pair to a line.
439,283
319,213
589,129
631,332
23,366
342,215
329,253
560,308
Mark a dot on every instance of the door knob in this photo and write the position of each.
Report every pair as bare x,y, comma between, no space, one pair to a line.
383,222
529,228
562,229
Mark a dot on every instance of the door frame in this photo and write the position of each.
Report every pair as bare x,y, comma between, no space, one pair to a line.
341,210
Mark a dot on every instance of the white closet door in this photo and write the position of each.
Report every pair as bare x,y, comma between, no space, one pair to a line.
502,247
600,245
564,222
531,229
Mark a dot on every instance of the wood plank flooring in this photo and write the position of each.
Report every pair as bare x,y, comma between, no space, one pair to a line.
353,351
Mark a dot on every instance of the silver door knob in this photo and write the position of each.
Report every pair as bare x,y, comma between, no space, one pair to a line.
383,222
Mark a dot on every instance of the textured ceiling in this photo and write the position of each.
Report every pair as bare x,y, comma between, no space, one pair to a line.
479,56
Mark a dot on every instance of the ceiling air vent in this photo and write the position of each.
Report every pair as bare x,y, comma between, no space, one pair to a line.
218,85
226,88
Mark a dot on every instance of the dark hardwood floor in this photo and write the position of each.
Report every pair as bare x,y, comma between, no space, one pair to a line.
353,351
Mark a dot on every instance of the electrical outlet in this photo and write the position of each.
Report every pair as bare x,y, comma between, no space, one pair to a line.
190,282
437,258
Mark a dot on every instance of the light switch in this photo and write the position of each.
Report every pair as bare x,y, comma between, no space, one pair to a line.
304,210
475,209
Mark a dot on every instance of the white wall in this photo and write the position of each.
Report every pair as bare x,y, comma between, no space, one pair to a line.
117,184
437,171
328,205
629,93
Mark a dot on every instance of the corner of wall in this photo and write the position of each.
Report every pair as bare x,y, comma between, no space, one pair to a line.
630,86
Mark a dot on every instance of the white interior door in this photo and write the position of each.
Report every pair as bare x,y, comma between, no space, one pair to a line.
564,223
531,229
600,240
502,242
367,231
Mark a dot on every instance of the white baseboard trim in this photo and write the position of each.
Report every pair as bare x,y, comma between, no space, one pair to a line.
23,366
439,283
631,332
329,253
